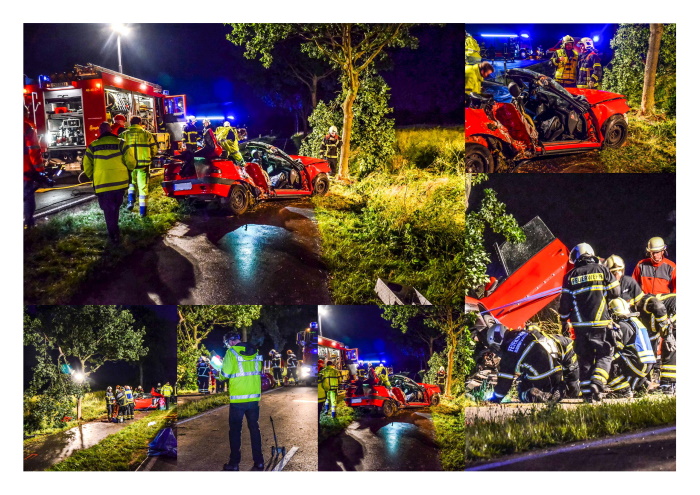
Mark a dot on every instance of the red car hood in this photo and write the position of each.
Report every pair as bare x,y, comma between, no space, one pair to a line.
595,96
307,160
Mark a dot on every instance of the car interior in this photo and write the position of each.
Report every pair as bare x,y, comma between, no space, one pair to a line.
281,174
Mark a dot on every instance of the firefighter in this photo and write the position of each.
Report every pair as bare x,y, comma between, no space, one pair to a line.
33,169
537,358
291,366
212,148
202,375
474,76
441,378
129,413
321,391
139,391
228,139
243,368
276,359
584,306
190,135
143,148
109,400
634,355
656,274
119,124
158,388
590,71
107,163
167,392
330,383
330,148
382,375
565,62
668,346
120,397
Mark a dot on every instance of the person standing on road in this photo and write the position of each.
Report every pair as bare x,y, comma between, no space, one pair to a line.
590,71
109,400
330,383
167,392
243,369
656,274
441,378
129,402
107,162
330,148
202,376
33,167
121,403
587,290
276,361
292,366
143,148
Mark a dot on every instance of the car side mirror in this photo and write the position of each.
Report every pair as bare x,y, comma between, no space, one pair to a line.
514,89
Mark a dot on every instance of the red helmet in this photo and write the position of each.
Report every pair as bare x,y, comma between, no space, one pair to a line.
119,117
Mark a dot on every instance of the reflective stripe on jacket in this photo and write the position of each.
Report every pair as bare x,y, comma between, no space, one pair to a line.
244,375
167,390
107,162
330,378
565,70
142,145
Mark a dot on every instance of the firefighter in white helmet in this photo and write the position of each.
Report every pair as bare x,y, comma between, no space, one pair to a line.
330,148
590,70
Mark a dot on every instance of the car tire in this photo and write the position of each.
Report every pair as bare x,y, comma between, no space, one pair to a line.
614,132
389,408
478,159
321,185
435,400
238,199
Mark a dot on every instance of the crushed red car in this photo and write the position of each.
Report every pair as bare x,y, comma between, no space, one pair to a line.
146,401
403,393
542,119
269,173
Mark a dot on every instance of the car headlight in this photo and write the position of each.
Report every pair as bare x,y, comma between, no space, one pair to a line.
305,370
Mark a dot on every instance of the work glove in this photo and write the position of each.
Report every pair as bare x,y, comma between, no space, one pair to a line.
669,343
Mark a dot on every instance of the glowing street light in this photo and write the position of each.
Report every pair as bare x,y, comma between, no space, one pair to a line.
322,310
120,29
78,377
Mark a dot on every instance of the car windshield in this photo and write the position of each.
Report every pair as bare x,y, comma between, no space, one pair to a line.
254,151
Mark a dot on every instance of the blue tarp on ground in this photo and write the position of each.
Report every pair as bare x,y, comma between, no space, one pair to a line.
164,443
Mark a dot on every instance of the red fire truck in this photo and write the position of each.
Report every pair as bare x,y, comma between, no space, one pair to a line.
345,358
68,108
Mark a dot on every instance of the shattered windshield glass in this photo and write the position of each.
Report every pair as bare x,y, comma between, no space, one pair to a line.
514,255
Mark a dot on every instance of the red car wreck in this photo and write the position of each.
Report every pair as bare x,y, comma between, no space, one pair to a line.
542,119
269,173
403,393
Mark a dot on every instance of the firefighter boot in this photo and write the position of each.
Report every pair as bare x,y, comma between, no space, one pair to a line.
142,211
131,198
258,467
668,388
230,467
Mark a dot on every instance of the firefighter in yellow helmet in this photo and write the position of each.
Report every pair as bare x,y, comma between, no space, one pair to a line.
590,70
243,369
565,61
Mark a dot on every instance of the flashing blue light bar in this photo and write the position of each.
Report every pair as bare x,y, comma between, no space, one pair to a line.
230,118
596,39
525,35
313,325
216,117
499,35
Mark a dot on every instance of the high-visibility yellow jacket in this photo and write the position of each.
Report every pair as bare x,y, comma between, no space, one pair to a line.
331,378
228,139
129,397
566,67
107,162
472,79
142,145
167,390
244,375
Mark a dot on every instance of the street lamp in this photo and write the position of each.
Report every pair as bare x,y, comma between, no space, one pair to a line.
120,29
321,311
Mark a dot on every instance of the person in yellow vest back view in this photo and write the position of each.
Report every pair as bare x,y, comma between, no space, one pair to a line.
330,383
167,391
243,369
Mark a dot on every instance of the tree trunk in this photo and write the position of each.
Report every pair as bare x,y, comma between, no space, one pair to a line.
656,30
347,126
141,373
79,408
450,363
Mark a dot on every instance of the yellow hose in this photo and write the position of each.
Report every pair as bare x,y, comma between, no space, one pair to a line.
159,171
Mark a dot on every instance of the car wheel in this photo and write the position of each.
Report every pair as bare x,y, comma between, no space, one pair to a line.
238,199
389,408
614,132
478,159
321,185
435,400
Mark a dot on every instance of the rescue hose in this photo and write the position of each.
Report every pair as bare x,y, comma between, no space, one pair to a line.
47,189
541,295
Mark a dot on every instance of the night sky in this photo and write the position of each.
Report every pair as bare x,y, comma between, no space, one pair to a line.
197,60
614,213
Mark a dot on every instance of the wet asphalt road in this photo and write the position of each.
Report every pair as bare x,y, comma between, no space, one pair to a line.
203,441
405,442
653,449
54,448
270,255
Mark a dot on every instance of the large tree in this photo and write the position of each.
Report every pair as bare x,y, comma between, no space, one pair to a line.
80,337
196,322
350,48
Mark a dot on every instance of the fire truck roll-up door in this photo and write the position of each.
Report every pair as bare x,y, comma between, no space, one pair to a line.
174,109
65,123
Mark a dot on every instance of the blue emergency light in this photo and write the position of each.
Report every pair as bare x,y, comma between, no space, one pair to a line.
313,325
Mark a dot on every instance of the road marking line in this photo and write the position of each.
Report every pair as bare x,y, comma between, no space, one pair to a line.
280,465
569,448
64,207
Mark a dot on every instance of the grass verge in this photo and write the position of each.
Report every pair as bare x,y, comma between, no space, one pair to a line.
70,248
546,427
406,226
448,419
195,407
93,408
651,146
328,426
122,451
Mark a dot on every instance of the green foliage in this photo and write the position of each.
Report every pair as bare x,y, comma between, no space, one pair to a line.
373,136
541,427
194,407
439,149
122,451
84,337
625,73
71,248
448,419
196,322
344,415
462,366
492,214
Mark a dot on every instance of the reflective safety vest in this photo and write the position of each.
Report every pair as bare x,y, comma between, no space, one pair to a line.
330,147
190,134
167,390
129,397
566,71
108,162
244,375
121,398
228,139
109,397
142,145
331,378
472,79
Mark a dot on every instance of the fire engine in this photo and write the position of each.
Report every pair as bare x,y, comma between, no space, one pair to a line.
67,108
345,358
307,340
